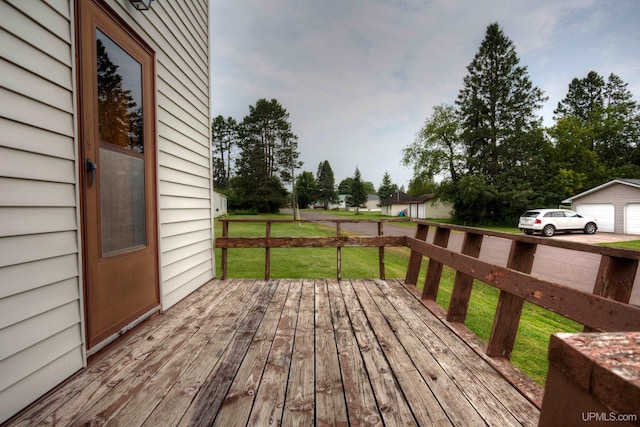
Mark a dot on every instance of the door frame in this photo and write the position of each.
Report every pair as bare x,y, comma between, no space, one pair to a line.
152,176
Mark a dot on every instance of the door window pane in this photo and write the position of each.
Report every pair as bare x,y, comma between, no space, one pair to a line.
119,96
122,197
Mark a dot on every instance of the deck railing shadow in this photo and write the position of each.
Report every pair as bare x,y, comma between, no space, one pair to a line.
605,310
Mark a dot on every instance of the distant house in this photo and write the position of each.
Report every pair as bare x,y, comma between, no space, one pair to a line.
219,204
105,178
371,205
615,204
421,207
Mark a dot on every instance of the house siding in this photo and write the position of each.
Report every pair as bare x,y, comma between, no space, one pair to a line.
40,281
619,195
41,300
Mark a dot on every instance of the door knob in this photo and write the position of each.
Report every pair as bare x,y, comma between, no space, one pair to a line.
91,169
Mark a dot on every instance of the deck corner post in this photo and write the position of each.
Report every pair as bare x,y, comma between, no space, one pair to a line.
415,259
509,309
434,269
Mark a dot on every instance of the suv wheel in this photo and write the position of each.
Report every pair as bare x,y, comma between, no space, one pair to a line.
548,230
590,228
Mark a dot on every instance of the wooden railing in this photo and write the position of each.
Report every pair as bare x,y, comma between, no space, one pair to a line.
607,309
338,241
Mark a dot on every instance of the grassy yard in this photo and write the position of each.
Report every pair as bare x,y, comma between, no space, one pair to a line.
536,325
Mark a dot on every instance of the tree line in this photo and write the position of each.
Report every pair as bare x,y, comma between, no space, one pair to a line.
489,154
254,158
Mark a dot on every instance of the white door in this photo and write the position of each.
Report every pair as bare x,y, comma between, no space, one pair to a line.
604,213
632,219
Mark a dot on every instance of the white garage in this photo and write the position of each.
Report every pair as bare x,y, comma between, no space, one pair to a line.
632,218
615,204
604,213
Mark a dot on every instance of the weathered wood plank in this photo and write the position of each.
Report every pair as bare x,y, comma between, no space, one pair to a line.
299,408
216,335
270,398
116,363
393,407
463,394
236,407
331,408
204,408
464,345
361,404
401,353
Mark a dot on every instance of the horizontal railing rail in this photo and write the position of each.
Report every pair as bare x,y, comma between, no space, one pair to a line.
338,241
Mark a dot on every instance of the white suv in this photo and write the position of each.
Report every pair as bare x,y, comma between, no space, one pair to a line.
548,221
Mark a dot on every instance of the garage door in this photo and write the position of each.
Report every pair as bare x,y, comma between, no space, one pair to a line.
604,213
632,219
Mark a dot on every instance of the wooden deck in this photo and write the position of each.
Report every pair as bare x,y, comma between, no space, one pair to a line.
288,352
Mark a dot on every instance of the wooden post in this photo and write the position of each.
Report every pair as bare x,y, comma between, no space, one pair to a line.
381,251
267,254
415,259
338,253
463,283
224,260
615,279
434,269
507,318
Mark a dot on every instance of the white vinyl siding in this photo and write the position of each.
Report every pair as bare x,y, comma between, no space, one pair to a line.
41,331
41,341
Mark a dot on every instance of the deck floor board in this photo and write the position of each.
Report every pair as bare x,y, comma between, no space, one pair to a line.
288,352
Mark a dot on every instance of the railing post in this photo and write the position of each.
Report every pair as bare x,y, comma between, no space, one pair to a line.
267,253
224,260
509,309
415,259
434,269
615,279
381,251
338,253
463,283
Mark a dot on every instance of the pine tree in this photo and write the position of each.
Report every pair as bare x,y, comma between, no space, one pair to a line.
506,153
267,147
387,188
326,184
358,196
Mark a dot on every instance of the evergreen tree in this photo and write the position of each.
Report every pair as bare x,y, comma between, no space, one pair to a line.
507,155
326,184
306,189
267,148
387,188
224,139
358,196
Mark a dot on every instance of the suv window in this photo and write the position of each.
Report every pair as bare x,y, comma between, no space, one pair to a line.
530,214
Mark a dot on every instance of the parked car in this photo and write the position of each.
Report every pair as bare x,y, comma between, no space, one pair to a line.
548,221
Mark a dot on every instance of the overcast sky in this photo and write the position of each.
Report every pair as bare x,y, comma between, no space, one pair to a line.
359,77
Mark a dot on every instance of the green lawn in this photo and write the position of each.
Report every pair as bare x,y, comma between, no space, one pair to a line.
536,325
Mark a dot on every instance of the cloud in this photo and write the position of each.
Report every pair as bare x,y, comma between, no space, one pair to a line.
359,77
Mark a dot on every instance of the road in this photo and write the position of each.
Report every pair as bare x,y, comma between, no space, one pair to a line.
564,266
